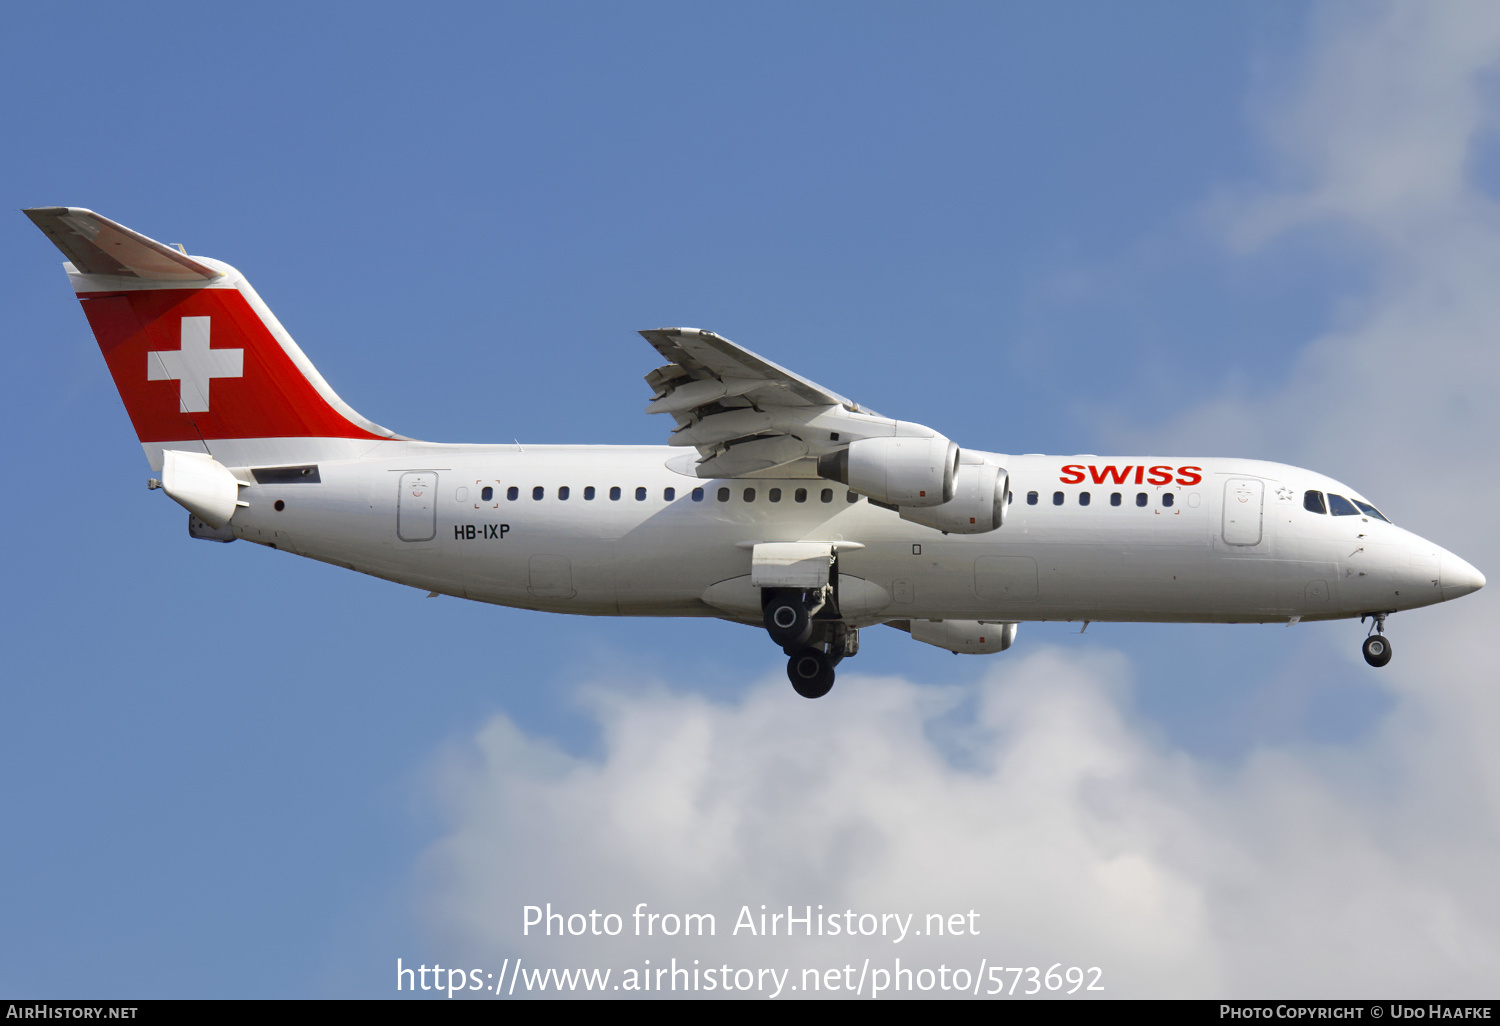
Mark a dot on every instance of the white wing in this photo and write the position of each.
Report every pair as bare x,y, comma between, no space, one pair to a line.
746,415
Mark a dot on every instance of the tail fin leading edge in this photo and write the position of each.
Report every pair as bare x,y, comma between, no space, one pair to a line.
199,360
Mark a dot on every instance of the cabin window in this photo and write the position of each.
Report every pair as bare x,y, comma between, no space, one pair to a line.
852,497
614,493
1167,498
1313,502
1057,498
723,494
486,493
512,493
1083,498
774,495
749,494
800,495
1114,498
1031,498
826,495
1140,498
1340,506
669,494
588,493
697,494
1369,510
538,492
640,495
564,492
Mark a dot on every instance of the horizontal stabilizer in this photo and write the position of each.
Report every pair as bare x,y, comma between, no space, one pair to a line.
96,245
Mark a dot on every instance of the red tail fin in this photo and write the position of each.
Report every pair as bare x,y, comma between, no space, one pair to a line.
200,362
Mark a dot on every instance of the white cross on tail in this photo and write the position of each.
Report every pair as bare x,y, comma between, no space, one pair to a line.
194,365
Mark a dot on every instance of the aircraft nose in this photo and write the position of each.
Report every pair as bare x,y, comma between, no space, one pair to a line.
1458,577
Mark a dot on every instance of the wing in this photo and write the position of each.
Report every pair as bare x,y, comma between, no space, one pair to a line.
746,415
704,356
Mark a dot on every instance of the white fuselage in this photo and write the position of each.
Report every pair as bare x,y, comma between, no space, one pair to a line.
740,516
1236,545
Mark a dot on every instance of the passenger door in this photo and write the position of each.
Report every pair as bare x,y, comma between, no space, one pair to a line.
1244,498
416,506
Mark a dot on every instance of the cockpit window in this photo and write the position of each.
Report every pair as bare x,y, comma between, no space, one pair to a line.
1313,502
1341,507
1370,511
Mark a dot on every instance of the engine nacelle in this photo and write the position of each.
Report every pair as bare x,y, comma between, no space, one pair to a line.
977,506
897,470
965,637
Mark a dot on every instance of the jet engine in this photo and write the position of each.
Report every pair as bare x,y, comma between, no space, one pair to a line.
977,506
897,470
969,637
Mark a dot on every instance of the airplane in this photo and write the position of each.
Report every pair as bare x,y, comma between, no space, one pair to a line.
776,502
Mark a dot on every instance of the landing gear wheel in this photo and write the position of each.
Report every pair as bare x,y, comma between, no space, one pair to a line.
811,673
1377,650
788,621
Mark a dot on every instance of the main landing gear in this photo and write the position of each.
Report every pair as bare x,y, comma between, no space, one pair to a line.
1377,646
811,672
813,646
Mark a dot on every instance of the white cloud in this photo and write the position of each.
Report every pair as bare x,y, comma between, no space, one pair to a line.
1078,839
1377,128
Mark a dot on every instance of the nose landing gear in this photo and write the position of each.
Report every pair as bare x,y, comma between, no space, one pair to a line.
1377,648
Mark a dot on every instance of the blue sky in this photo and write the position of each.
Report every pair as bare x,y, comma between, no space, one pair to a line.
1240,229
